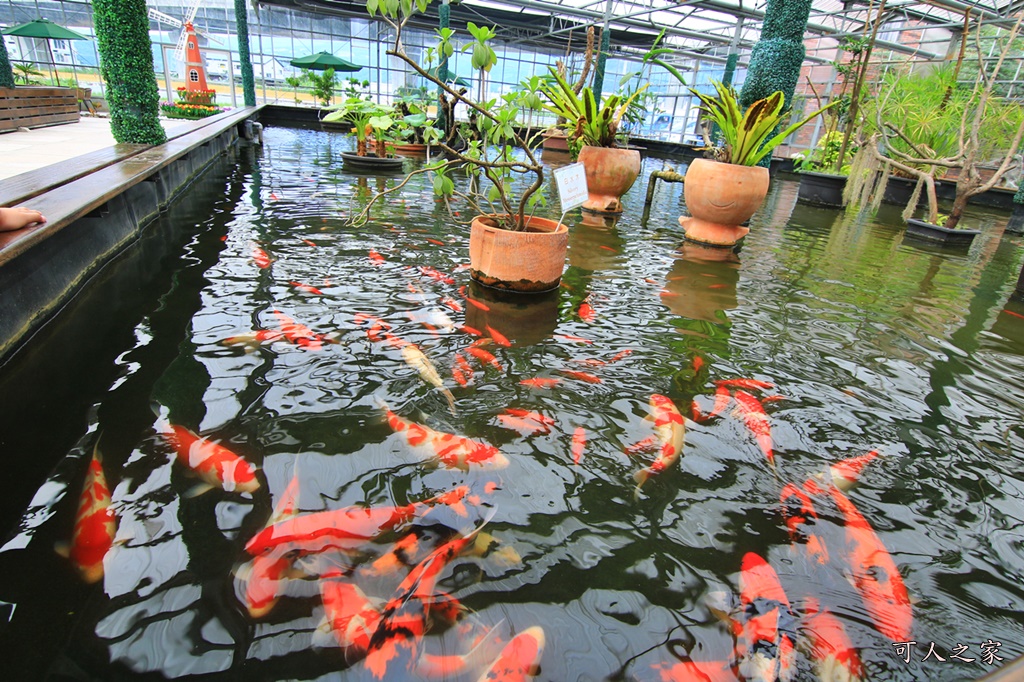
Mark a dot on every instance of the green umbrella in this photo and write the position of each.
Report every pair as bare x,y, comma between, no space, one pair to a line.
324,60
47,30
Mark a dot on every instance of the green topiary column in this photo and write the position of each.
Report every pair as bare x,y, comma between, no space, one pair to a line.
122,34
730,68
6,75
1018,198
602,58
248,81
778,54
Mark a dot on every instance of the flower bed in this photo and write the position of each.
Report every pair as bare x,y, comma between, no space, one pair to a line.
190,111
206,97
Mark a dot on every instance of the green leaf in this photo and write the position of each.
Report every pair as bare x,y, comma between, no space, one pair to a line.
371,7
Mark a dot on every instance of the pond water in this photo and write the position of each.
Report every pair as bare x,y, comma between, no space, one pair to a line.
870,341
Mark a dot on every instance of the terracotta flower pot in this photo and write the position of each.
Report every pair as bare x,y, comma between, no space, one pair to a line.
720,196
610,174
524,262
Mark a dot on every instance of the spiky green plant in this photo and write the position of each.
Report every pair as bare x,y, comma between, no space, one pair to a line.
746,133
591,122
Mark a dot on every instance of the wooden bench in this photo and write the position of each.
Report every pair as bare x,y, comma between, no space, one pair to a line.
81,191
31,107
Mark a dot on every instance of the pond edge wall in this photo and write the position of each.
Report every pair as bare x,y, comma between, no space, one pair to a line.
42,272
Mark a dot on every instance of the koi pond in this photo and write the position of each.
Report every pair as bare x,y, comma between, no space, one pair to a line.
357,524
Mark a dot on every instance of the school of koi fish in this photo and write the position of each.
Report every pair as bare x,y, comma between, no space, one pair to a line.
385,630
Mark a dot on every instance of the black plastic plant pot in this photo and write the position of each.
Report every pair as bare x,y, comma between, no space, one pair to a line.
821,189
942,235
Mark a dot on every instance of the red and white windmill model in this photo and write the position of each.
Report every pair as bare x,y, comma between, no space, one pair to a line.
187,49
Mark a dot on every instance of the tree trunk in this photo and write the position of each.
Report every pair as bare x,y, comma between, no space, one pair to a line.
959,204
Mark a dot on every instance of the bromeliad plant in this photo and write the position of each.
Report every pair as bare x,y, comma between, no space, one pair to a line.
588,122
747,134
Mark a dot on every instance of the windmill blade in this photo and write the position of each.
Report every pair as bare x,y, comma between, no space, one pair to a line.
209,37
160,17
190,14
179,49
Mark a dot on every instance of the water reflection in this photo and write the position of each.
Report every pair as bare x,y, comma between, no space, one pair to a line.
524,320
702,282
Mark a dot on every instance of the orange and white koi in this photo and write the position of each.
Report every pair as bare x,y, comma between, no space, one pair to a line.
670,429
757,422
454,452
519,660
525,421
472,331
95,523
541,382
722,398
261,258
216,465
300,334
447,666
581,376
306,288
346,528
845,473
376,258
415,358
832,651
800,516
874,573
579,442
265,575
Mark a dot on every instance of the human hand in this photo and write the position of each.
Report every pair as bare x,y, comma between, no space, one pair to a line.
18,217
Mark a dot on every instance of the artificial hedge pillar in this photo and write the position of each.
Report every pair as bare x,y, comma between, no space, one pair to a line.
248,82
126,57
1018,198
6,74
778,54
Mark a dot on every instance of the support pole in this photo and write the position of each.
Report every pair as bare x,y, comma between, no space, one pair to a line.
244,58
602,53
443,22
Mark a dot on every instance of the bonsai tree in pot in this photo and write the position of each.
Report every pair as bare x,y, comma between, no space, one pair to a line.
510,247
986,127
593,133
367,118
726,190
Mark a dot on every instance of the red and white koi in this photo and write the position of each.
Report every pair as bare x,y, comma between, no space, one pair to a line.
845,473
376,258
454,452
670,429
832,651
95,523
573,339
265,575
300,334
757,422
526,421
350,615
216,465
874,573
451,303
750,384
346,529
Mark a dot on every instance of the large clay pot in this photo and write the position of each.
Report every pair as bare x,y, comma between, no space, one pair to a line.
720,196
523,262
610,174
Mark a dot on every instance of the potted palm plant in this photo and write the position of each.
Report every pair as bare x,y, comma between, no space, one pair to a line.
510,247
593,135
724,191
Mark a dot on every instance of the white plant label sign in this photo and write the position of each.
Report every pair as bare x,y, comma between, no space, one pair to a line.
571,181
